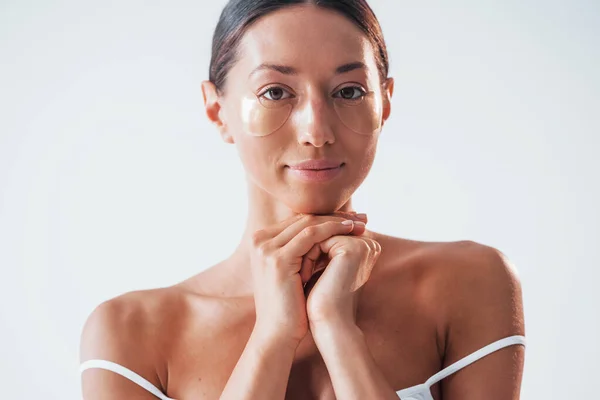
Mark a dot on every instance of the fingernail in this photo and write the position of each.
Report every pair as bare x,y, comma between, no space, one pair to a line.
348,222
361,216
359,223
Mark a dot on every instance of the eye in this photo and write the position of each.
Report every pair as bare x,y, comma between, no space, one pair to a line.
349,91
274,93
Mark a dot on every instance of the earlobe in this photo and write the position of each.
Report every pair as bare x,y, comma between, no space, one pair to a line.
214,109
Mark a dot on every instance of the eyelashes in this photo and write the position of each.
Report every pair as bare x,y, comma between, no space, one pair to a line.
275,89
354,89
276,93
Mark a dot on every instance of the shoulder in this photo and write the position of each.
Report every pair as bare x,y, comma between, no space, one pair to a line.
470,264
475,287
479,293
131,330
142,327
472,290
473,293
483,291
461,271
136,319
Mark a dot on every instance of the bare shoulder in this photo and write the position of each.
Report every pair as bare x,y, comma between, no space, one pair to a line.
474,290
156,334
483,294
133,331
466,280
460,275
134,325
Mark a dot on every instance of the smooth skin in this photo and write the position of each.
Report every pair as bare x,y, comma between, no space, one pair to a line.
306,306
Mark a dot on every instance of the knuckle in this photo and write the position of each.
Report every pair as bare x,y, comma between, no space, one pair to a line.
365,249
353,251
370,245
374,248
309,231
377,246
257,238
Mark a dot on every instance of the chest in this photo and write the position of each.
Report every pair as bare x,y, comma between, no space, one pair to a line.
402,342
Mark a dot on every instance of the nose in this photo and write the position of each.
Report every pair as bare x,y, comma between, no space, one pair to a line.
313,123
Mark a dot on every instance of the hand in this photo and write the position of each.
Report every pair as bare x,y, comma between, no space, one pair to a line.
280,265
334,297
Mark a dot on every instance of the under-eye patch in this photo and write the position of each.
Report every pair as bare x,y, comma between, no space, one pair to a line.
262,116
361,115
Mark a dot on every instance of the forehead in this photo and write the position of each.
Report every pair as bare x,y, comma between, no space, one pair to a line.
307,38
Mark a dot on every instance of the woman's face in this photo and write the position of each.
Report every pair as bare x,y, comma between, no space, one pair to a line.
296,95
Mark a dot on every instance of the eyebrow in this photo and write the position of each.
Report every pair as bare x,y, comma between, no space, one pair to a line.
287,70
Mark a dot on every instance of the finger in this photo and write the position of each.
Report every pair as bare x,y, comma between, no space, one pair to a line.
359,228
341,214
362,217
351,214
295,228
329,246
308,263
366,246
278,228
274,230
304,240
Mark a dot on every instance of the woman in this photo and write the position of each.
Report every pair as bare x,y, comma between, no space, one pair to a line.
311,304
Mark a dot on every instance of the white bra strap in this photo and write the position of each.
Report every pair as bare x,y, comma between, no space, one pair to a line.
127,373
471,358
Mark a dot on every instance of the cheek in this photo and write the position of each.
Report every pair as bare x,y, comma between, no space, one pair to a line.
361,149
360,155
259,156
250,154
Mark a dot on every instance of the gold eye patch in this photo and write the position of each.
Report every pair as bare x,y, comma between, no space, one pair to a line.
361,115
262,116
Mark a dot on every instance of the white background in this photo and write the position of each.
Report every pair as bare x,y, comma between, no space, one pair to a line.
112,180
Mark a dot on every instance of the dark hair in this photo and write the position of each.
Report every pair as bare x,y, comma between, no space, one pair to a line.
238,15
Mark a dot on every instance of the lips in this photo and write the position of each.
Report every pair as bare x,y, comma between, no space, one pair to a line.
316,170
316,165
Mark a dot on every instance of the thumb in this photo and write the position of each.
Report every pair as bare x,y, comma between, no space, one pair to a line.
333,246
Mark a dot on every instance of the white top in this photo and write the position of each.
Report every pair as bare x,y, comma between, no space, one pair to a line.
417,392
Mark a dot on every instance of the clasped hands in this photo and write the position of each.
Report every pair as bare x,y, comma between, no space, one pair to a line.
285,256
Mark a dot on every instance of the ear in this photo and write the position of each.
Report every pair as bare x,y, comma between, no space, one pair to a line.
388,90
214,109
